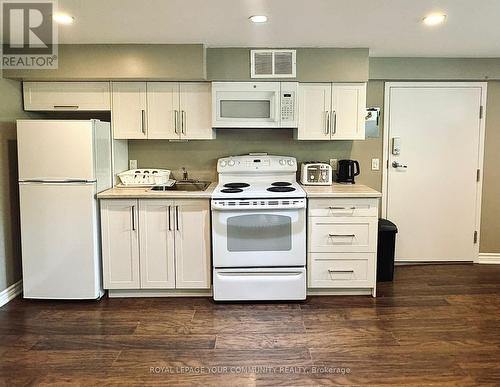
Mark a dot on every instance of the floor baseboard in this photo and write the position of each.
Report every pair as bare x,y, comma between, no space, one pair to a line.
489,258
11,292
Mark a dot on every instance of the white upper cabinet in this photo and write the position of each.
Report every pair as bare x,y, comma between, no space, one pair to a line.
129,110
196,111
162,110
314,111
331,111
349,111
66,96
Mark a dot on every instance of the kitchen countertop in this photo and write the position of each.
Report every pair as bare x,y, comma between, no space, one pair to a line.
340,191
146,193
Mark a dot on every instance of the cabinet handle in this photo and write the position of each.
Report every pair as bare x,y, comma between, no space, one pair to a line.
177,218
327,122
176,121
133,218
341,235
143,121
341,208
340,271
334,120
183,122
169,224
75,107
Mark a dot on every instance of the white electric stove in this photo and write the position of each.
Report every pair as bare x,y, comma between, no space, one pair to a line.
258,229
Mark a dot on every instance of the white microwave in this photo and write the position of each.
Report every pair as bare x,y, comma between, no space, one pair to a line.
254,104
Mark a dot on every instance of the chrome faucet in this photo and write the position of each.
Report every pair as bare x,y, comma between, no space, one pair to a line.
184,174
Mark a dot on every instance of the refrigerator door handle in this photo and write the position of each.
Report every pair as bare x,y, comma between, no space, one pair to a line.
56,181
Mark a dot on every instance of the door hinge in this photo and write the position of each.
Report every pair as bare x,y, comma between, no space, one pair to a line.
481,112
478,175
475,237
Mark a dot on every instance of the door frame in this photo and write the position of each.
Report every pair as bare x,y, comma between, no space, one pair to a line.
482,128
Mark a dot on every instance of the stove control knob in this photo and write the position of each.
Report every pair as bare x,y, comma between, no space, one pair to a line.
283,162
290,162
230,163
223,163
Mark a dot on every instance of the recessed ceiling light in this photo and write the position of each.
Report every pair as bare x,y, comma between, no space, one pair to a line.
435,19
62,18
258,18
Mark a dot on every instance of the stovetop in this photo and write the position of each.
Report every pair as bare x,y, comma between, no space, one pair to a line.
253,190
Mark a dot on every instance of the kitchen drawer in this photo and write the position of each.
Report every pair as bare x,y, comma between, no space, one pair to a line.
343,207
342,234
352,270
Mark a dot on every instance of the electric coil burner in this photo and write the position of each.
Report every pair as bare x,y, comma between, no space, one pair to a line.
258,230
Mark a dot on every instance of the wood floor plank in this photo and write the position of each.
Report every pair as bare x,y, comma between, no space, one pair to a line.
434,325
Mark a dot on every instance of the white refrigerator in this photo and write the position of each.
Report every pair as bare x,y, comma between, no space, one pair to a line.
62,166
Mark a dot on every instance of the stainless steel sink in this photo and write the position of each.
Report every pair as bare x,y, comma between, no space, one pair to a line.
184,186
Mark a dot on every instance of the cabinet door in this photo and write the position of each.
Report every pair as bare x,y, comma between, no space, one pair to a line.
120,247
66,96
349,111
129,110
314,111
163,110
192,244
156,236
196,111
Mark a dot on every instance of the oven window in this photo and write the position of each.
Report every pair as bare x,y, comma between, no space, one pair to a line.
260,232
245,109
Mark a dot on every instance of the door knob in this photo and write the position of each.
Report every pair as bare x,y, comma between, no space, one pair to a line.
395,164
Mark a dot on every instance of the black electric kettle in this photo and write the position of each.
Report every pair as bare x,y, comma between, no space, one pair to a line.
347,170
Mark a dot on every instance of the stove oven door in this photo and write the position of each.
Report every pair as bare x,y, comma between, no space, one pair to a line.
259,238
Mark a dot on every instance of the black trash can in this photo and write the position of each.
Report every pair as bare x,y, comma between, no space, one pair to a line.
385,253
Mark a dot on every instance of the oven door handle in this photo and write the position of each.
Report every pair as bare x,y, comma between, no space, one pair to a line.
260,273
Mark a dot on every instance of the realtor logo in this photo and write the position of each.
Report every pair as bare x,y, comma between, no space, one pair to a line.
28,35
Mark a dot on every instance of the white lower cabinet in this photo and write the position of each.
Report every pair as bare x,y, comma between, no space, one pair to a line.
169,241
342,244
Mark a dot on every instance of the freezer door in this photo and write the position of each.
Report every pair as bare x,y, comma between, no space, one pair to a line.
55,150
60,244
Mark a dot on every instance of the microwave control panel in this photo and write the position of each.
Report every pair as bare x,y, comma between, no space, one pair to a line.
288,104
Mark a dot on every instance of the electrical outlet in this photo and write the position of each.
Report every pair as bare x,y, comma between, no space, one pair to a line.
333,164
375,164
132,164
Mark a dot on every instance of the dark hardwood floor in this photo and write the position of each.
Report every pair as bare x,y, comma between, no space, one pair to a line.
434,325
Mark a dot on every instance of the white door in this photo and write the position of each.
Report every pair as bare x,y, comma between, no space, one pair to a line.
192,244
55,150
156,240
163,110
196,111
314,111
432,196
120,244
129,110
59,237
348,111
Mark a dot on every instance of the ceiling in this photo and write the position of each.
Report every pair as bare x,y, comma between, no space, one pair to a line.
386,27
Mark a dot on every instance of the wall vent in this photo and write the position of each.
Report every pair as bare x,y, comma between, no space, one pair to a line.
272,63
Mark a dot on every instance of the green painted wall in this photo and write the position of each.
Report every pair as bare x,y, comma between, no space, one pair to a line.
313,64
10,242
123,62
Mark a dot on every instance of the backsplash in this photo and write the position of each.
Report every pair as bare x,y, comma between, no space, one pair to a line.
200,157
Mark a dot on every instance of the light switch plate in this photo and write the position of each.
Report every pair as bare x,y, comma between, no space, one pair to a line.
132,164
375,164
333,164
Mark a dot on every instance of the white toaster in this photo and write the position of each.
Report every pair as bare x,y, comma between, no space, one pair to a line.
316,173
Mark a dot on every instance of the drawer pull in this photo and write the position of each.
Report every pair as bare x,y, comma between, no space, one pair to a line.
341,208
340,271
66,107
341,235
